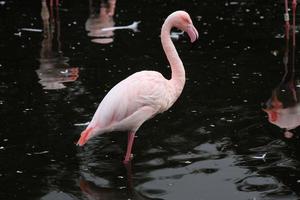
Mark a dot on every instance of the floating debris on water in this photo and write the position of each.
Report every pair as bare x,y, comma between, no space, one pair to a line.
42,152
133,26
18,34
260,157
176,35
279,36
275,52
32,30
82,124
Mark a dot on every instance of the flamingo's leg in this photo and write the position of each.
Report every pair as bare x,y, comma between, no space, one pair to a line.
129,147
287,19
294,6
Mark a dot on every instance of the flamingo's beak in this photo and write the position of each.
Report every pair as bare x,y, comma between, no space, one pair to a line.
192,32
85,135
272,114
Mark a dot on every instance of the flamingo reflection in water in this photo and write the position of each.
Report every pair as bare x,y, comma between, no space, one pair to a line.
54,69
101,16
94,191
101,25
283,108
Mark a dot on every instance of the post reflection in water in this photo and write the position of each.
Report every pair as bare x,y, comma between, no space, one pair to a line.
54,69
283,108
101,16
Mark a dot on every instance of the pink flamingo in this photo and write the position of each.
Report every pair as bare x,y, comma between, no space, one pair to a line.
284,105
143,94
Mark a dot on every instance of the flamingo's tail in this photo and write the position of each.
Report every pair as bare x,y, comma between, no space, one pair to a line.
85,135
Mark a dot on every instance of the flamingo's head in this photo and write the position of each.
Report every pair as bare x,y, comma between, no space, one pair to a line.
182,21
85,136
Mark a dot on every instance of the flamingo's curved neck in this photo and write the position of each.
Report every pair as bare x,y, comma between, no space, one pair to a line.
178,73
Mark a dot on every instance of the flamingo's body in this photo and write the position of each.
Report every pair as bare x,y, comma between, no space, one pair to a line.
144,94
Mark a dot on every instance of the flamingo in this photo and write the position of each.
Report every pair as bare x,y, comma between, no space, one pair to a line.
143,94
283,108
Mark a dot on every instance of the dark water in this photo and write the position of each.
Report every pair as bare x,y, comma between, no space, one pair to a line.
55,67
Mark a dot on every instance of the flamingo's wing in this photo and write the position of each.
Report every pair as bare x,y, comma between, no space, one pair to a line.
143,91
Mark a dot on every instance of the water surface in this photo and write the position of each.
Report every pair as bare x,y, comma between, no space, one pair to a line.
216,142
